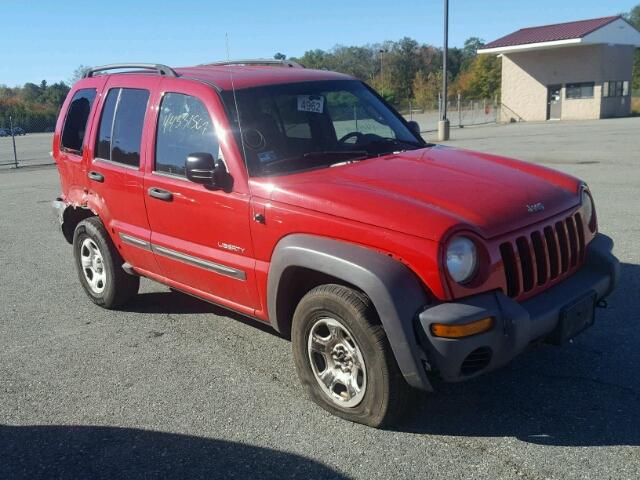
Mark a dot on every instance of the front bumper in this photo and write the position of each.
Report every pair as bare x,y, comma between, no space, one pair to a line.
516,324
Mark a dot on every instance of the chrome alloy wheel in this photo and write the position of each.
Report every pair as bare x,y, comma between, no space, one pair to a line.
93,265
337,362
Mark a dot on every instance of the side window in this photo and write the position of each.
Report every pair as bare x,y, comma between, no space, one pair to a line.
184,127
121,125
75,124
103,145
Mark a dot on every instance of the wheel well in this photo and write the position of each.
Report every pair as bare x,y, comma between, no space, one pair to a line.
294,284
71,218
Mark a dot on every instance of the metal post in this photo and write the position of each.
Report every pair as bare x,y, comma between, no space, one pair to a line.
355,115
13,138
381,69
443,124
459,112
410,111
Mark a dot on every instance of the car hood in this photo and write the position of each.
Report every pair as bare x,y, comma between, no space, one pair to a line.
428,192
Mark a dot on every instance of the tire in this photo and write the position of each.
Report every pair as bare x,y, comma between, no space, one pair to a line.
101,276
346,332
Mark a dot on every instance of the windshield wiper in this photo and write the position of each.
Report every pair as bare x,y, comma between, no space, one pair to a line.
336,153
342,156
395,141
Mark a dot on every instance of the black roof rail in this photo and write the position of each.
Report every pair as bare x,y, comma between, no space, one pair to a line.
158,67
258,61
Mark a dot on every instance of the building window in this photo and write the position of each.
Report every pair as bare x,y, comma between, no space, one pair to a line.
615,89
580,90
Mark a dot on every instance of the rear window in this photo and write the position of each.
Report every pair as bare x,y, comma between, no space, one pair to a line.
75,125
121,124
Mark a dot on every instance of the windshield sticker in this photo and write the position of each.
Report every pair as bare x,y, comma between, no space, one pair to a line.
311,103
268,156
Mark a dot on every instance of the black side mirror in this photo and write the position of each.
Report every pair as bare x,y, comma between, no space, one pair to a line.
414,127
203,169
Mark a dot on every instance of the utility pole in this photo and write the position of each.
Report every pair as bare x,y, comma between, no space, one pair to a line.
443,124
382,51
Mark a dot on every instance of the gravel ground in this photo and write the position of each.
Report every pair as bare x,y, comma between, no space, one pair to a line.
172,387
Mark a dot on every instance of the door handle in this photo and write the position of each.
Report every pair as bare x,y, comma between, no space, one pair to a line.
160,194
96,177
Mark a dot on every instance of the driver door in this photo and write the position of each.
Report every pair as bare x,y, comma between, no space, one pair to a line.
200,236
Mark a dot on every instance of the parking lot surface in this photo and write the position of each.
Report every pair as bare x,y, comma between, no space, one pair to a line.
171,387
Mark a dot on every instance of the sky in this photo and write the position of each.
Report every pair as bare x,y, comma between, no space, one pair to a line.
50,39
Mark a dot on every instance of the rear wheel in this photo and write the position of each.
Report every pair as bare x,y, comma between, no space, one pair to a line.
344,359
99,266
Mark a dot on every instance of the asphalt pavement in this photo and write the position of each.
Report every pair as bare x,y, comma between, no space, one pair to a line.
172,387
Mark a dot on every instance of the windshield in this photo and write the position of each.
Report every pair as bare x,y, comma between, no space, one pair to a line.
292,127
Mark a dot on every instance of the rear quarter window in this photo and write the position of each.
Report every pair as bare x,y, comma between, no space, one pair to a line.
75,124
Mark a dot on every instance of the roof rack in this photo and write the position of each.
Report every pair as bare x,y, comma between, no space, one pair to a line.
159,68
259,61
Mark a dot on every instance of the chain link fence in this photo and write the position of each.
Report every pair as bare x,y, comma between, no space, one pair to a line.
25,141
461,112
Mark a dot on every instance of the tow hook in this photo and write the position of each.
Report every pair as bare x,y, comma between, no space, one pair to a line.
602,303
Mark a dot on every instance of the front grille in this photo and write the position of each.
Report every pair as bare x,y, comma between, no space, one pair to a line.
544,255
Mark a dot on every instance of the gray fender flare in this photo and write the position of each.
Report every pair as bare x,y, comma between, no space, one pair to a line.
394,289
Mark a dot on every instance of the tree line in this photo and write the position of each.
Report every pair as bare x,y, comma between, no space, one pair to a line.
407,71
32,107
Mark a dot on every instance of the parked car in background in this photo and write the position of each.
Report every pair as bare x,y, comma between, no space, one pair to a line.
4,132
19,131
300,198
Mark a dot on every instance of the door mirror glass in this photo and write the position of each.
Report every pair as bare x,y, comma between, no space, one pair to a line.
203,169
414,127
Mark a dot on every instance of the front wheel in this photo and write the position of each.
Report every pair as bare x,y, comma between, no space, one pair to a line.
99,266
344,359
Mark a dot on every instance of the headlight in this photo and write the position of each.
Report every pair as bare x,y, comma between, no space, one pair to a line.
587,206
462,259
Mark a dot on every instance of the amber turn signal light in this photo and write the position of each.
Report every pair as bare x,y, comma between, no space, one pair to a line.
463,330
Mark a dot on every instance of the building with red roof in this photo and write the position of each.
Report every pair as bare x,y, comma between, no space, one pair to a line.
574,70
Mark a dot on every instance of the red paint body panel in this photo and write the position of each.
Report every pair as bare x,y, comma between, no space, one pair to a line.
406,205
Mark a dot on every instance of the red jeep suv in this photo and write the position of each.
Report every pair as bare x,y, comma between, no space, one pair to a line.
301,199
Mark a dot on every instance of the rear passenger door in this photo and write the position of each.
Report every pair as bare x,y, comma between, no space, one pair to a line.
71,138
115,176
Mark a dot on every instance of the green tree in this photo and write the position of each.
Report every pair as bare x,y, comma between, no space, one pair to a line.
317,59
470,50
426,87
481,79
633,17
78,73
31,92
280,56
